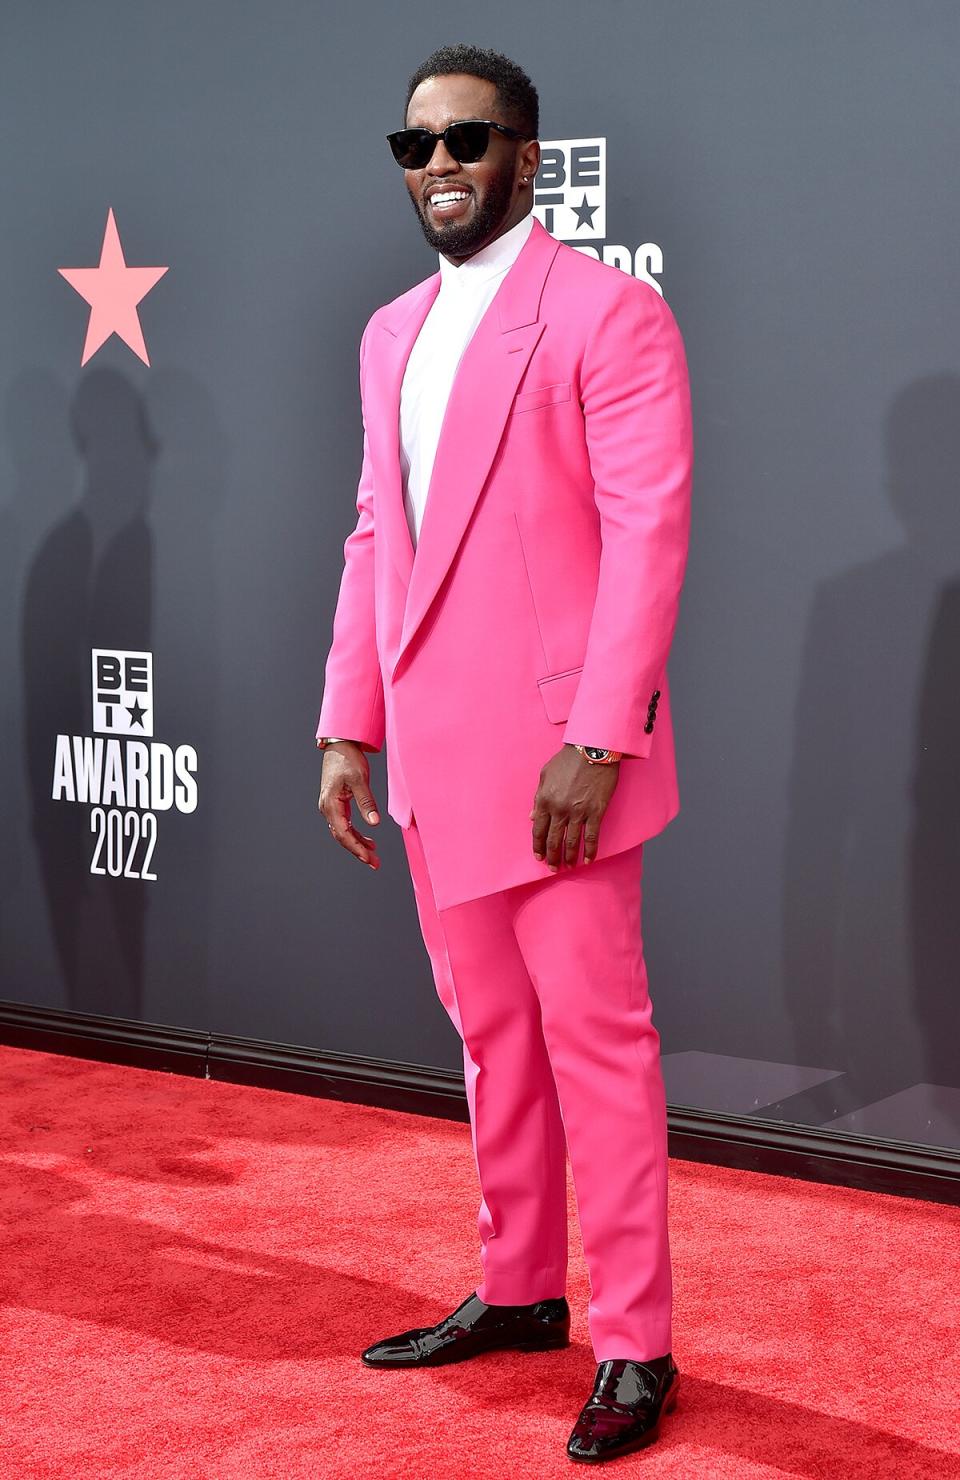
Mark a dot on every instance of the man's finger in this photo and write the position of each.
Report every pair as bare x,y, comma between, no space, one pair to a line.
360,846
591,839
555,840
367,805
337,812
541,822
572,845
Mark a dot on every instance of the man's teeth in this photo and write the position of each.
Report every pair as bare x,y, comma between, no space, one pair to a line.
448,195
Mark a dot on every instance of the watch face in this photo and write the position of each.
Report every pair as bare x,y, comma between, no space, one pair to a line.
595,753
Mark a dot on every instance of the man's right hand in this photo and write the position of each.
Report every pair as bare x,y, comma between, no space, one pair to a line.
346,778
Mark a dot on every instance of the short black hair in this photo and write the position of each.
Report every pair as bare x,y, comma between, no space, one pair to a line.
516,94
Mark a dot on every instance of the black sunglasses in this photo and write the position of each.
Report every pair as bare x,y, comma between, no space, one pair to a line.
466,140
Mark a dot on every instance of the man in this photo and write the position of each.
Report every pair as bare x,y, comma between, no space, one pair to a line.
507,605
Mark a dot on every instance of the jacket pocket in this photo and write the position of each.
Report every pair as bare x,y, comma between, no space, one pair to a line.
544,395
558,691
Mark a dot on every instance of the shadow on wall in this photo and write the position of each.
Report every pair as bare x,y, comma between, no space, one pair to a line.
95,581
36,493
88,585
872,869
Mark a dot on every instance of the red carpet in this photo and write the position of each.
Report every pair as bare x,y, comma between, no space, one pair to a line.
190,1269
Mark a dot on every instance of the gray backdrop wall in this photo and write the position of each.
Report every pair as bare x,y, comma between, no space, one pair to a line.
785,173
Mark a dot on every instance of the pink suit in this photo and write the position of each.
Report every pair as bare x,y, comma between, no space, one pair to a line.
538,609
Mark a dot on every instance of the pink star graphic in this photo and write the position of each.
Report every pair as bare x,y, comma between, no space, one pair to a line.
113,291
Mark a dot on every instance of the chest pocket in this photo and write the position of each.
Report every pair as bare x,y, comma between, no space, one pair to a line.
558,691
544,395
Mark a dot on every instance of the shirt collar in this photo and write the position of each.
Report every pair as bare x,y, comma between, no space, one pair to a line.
496,257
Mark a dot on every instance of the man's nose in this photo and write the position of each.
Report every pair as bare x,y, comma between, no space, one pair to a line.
441,162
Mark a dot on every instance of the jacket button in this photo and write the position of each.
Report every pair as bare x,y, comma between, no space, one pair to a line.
656,694
648,727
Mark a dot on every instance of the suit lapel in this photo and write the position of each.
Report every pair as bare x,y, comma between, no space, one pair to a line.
480,400
388,353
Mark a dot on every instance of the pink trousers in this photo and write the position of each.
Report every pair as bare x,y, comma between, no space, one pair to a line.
547,987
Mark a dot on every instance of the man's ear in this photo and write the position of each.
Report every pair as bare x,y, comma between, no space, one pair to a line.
531,158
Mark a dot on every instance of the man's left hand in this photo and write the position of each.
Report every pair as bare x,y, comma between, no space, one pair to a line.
571,799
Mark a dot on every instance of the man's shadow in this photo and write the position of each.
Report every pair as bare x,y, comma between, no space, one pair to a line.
32,493
115,572
871,944
88,585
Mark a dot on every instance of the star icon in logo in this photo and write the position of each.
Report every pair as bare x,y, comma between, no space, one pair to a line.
136,712
113,291
584,213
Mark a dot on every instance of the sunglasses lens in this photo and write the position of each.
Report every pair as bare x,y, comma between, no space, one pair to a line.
412,147
467,142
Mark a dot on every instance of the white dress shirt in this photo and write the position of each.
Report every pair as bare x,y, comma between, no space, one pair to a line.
465,295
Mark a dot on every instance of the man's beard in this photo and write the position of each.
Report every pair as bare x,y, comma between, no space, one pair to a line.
463,238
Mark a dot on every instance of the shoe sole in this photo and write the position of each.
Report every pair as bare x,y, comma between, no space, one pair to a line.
453,1355
648,1438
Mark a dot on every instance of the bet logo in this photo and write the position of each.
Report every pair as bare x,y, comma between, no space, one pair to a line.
122,692
125,777
570,200
570,191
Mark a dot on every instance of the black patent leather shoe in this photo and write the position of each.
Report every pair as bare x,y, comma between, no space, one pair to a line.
624,1411
476,1327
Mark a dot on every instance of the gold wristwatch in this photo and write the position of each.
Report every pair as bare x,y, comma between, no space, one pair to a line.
597,756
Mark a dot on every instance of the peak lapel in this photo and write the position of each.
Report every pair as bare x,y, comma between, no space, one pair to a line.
476,413
385,366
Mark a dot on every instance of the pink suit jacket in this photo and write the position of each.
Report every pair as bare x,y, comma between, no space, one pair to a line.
540,603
